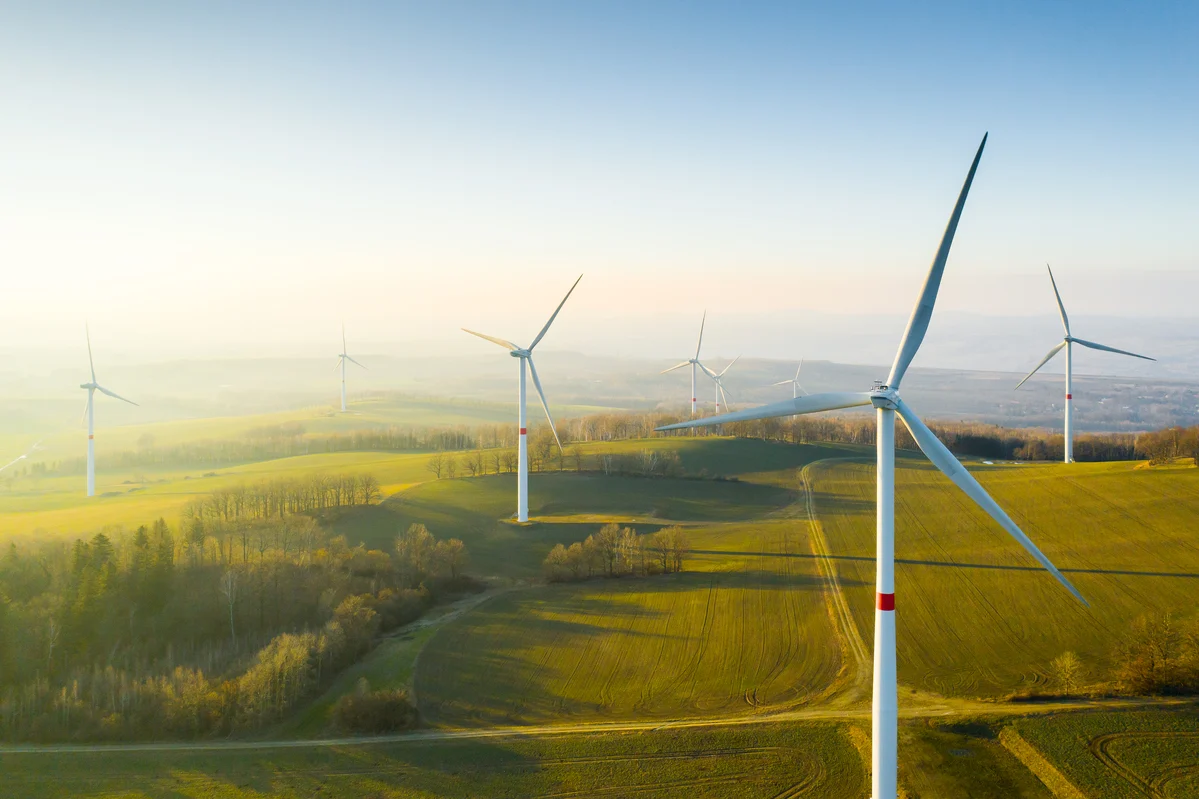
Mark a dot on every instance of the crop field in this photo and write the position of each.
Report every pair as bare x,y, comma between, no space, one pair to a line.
815,761
745,629
1122,755
976,615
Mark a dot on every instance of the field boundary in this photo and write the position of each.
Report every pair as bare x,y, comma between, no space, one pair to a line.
1042,769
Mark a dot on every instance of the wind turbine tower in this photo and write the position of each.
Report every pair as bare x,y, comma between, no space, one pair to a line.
1068,343
341,362
89,414
525,356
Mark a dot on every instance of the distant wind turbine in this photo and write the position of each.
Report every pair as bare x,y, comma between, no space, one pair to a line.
89,414
1068,343
341,362
718,379
887,403
525,356
693,362
796,387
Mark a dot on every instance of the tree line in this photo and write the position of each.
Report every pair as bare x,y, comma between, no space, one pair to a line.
616,551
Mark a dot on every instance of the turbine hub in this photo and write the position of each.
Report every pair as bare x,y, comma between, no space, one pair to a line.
519,353
883,396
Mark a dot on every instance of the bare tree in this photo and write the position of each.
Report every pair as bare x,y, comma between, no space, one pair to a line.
436,464
229,591
1066,670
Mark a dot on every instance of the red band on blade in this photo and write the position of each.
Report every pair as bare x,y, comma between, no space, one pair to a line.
1069,396
886,601
522,431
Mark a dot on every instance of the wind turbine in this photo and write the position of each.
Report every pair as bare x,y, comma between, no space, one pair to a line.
796,387
718,379
341,362
694,362
887,403
525,356
89,414
1067,343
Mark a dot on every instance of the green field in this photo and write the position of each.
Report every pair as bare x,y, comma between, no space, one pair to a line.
976,616
1122,755
746,629
815,761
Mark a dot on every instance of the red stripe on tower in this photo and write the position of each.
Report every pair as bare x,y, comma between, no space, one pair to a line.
522,431
1069,396
89,438
886,601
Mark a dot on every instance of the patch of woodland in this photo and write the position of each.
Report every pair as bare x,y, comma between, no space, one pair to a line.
222,625
616,551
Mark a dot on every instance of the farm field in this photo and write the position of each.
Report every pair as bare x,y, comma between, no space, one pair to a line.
746,629
976,615
1122,755
815,761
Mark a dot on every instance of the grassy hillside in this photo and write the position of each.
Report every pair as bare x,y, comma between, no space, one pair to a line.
745,629
815,761
976,615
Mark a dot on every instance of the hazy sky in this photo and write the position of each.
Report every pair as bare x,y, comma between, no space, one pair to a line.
190,176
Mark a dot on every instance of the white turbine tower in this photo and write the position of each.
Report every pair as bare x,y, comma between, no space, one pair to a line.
89,414
1068,344
526,357
887,402
718,379
796,386
693,362
341,362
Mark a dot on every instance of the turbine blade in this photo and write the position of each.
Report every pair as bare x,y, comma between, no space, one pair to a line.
544,405
351,360
114,395
706,370
1061,308
797,370
922,314
813,403
554,316
952,468
782,383
86,406
730,366
343,337
723,396
1095,346
1044,361
699,343
505,344
676,366
91,364
338,364
801,388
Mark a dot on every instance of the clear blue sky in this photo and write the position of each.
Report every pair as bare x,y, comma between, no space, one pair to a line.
218,172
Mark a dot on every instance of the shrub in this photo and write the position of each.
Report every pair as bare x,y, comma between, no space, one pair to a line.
374,712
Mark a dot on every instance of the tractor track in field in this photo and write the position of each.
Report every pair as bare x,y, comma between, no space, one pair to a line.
851,636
